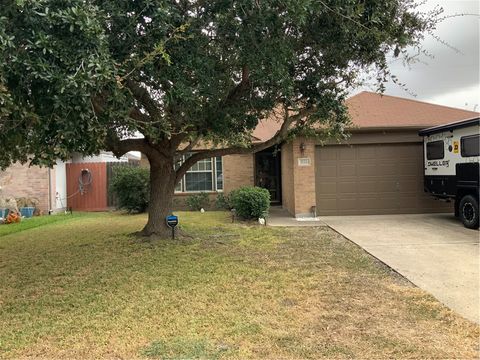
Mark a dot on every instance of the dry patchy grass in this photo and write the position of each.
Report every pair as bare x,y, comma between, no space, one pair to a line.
85,288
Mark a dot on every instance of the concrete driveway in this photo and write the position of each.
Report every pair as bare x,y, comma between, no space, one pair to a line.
434,251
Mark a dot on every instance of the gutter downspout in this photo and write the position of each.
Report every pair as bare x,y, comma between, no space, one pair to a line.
49,192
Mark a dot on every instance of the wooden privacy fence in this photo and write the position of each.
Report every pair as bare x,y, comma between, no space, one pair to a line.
88,185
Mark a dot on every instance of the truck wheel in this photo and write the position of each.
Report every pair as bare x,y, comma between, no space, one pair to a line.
469,212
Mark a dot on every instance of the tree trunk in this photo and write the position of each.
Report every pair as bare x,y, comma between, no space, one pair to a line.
162,188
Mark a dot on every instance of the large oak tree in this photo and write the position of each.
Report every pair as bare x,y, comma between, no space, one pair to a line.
85,75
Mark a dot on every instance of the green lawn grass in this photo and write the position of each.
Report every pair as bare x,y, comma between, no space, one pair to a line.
85,288
30,223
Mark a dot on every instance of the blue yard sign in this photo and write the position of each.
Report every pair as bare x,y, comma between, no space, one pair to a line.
172,222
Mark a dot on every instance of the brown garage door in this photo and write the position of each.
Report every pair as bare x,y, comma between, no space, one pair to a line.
372,179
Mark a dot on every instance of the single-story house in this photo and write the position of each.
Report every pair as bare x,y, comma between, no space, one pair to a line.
378,170
48,185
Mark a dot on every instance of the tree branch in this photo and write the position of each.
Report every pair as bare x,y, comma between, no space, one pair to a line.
143,97
279,136
138,116
242,87
177,139
121,147
97,102
189,147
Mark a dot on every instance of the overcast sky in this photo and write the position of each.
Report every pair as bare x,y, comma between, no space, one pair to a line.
450,78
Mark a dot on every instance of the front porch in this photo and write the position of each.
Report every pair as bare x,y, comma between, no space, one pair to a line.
279,216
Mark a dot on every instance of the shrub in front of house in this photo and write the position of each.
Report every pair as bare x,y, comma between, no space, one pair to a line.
250,202
223,202
198,201
131,186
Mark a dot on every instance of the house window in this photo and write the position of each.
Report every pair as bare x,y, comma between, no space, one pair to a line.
200,176
470,145
435,150
205,175
219,172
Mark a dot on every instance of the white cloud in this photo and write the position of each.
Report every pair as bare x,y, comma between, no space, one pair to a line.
468,98
450,78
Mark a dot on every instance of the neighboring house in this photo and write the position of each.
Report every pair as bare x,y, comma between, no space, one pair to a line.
379,170
48,185
104,156
32,182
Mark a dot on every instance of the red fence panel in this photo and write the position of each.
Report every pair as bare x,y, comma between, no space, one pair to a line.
87,186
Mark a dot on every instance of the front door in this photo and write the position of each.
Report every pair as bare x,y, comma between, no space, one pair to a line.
267,173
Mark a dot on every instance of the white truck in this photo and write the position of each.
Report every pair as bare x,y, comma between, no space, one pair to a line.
451,158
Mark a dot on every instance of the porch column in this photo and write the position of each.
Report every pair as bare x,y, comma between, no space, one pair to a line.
303,176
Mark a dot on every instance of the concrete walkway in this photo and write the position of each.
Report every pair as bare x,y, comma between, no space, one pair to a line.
434,251
281,217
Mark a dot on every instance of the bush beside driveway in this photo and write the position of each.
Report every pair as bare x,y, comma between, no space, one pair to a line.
85,288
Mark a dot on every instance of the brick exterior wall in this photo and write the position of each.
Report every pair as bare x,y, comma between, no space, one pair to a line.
24,181
298,182
304,178
238,170
288,195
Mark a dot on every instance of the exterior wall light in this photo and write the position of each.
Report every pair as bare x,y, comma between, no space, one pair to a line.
303,147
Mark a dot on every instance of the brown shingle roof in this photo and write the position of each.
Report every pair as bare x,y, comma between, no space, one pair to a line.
266,128
372,110
369,110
